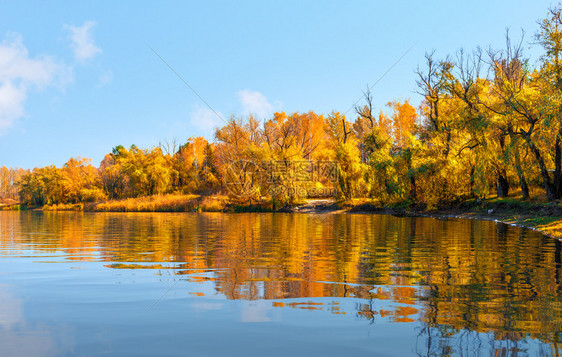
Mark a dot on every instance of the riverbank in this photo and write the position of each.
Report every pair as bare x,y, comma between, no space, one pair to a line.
545,217
165,203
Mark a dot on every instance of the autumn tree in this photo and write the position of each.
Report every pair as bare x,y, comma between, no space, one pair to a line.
82,181
9,178
549,37
42,186
525,103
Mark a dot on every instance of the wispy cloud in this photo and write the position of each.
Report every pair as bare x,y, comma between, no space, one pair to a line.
105,78
254,102
19,72
83,41
205,119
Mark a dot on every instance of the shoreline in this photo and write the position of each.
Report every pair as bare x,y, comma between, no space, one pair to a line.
515,221
545,218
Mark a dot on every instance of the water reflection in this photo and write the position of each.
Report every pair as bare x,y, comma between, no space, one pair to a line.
467,284
19,337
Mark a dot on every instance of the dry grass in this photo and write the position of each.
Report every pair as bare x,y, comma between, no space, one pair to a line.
9,204
164,203
64,207
214,203
10,207
553,229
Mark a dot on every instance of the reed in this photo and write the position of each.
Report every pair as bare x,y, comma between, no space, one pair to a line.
164,203
64,207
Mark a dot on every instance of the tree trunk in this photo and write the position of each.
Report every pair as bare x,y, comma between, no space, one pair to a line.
524,187
502,185
472,169
548,185
521,175
413,190
519,169
558,165
413,187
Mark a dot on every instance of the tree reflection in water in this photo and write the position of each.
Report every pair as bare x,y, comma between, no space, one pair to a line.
466,283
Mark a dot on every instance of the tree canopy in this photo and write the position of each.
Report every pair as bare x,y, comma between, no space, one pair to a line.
489,122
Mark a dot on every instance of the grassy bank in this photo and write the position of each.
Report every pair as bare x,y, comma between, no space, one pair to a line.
156,203
9,204
175,203
535,213
163,203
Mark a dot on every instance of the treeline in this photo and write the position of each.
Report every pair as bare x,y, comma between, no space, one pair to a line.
489,122
124,173
9,178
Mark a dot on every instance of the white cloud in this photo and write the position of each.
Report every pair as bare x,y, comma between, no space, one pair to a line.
83,41
205,119
105,78
19,72
255,311
254,102
11,104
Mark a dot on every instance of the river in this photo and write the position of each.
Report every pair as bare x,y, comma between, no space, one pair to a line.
274,284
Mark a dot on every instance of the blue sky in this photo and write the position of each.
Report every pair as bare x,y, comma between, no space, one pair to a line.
78,78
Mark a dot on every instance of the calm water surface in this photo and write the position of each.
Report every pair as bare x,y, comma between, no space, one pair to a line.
187,284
